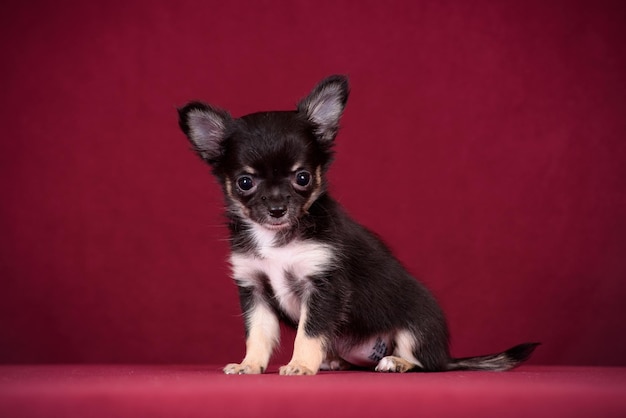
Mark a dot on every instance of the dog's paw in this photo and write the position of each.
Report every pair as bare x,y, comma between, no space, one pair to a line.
295,370
335,364
394,365
235,368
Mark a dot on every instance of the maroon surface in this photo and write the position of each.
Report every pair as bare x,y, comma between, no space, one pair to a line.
187,391
483,140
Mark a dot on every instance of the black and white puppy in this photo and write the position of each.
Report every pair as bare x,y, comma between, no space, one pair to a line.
299,258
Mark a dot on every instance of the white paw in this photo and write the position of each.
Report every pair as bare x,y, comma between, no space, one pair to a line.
335,364
386,364
295,369
235,368
394,365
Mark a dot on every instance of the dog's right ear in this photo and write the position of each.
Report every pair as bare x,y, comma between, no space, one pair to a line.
205,127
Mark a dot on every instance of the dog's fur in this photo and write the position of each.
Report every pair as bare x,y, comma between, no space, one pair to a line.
299,258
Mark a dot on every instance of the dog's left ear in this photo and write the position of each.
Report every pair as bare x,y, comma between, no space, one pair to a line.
324,105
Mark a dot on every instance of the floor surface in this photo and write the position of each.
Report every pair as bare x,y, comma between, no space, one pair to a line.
197,390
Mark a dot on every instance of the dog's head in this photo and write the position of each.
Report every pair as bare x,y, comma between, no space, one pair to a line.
271,165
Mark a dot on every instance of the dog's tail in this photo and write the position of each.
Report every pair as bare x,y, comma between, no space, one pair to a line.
495,362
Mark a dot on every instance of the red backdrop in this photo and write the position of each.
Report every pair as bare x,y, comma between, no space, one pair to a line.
485,141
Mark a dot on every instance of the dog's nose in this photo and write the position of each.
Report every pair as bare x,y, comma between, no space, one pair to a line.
277,211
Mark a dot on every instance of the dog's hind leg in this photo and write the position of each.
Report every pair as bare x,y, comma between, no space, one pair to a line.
402,359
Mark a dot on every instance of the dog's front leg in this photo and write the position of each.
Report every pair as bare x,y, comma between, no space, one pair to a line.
308,351
262,334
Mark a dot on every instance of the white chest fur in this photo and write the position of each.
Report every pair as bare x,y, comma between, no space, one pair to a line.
287,267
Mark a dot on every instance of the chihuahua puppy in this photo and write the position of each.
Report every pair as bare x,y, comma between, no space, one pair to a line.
298,257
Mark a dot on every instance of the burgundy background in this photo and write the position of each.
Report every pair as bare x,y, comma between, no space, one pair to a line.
484,141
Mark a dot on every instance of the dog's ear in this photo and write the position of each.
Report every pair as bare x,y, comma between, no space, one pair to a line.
324,105
206,128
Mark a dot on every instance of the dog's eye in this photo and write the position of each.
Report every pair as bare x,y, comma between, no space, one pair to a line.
245,183
303,178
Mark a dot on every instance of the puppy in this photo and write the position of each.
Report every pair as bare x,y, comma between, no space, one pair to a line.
298,257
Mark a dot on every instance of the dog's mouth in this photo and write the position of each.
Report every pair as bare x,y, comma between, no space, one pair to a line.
276,225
